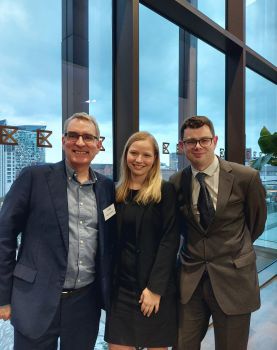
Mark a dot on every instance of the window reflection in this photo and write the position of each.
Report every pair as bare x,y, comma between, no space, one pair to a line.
261,110
158,91
100,78
261,28
30,91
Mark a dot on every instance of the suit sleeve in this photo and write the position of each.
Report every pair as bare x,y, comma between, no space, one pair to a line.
13,216
167,251
256,206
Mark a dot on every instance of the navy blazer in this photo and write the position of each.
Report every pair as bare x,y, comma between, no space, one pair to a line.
36,206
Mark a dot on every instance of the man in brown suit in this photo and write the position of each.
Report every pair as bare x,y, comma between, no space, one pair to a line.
223,211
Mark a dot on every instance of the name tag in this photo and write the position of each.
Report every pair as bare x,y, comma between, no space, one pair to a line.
109,212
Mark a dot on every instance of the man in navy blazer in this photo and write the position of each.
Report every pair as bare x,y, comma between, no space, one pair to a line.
59,280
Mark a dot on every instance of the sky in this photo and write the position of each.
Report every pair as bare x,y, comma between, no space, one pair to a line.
30,71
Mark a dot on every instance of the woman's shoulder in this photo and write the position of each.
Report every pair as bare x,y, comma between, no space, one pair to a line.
167,186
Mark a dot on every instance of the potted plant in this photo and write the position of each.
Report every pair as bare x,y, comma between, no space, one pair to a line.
268,146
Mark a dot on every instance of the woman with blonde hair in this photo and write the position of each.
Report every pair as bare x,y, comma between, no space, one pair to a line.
143,312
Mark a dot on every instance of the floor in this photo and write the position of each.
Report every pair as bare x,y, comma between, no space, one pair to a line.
263,328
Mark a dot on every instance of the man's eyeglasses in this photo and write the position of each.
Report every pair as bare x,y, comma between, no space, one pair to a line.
204,142
74,137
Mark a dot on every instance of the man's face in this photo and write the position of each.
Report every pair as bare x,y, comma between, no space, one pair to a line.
79,153
199,156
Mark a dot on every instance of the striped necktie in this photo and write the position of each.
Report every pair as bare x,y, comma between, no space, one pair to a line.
204,203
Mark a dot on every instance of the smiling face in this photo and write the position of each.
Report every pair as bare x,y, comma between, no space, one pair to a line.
140,158
79,154
200,157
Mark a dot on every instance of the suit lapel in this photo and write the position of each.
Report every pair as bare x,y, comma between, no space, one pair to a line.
100,198
58,191
225,186
187,196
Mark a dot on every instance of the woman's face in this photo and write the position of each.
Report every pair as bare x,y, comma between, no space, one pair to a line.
140,158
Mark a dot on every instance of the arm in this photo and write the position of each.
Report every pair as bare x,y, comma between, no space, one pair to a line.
255,206
13,216
167,251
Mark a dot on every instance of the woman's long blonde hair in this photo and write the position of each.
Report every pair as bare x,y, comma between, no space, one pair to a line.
151,188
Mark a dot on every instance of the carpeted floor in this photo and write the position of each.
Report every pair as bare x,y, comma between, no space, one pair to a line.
265,257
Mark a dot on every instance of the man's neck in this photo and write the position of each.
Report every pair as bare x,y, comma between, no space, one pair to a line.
83,174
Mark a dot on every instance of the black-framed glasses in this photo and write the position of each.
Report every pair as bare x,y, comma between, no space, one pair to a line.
203,142
73,136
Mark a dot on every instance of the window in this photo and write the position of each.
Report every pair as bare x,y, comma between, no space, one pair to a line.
159,60
261,27
161,103
261,110
215,10
100,78
30,90
211,90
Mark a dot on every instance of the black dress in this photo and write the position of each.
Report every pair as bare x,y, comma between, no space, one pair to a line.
126,324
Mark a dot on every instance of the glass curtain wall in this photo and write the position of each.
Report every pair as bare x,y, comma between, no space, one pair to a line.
100,79
261,111
214,9
158,90
261,27
167,95
30,93
30,84
211,90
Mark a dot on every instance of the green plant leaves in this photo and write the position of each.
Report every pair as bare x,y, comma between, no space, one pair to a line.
260,162
268,146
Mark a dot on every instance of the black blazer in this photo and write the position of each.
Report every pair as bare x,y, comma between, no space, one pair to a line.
157,242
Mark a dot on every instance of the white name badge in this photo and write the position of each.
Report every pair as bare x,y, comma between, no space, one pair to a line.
109,212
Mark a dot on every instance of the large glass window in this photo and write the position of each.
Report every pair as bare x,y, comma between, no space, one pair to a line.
159,60
214,9
261,27
30,91
100,78
161,106
211,90
261,111
30,83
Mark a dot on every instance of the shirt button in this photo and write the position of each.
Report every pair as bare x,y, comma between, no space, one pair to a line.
79,280
81,222
81,203
81,262
82,241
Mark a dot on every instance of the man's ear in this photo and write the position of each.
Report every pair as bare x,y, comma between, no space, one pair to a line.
181,146
63,142
99,144
215,140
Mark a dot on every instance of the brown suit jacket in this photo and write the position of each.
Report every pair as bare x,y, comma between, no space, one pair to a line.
225,249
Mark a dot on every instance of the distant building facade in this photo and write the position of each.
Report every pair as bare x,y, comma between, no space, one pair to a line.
13,158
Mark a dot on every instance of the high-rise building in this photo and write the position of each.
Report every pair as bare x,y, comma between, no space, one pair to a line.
13,158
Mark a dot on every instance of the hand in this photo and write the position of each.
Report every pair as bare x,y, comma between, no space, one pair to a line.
149,301
5,312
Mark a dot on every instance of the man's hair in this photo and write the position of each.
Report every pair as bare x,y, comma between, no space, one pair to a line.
151,189
83,116
197,122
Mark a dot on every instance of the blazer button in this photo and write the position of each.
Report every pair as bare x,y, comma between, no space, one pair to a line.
138,251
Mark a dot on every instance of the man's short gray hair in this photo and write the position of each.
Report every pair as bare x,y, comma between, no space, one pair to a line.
84,116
